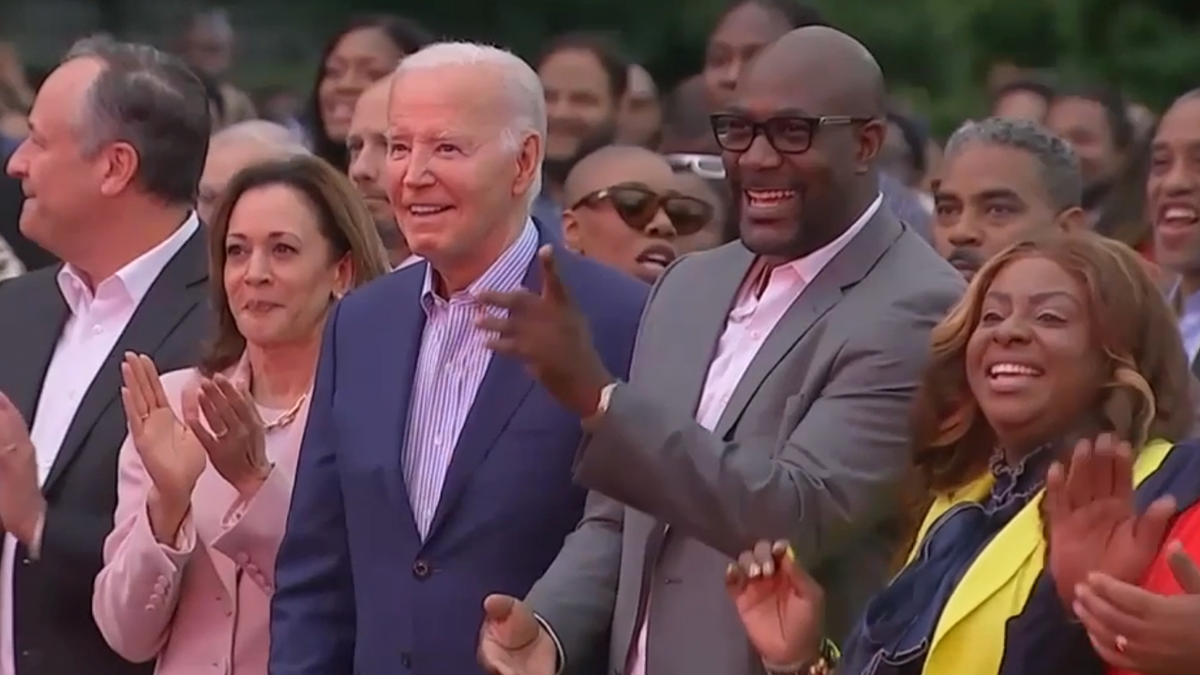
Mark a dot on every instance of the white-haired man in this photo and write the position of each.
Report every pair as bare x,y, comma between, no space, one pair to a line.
236,147
440,471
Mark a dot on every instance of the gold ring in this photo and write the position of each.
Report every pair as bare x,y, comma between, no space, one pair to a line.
1122,643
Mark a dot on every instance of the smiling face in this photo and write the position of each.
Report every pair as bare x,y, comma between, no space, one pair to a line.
455,173
280,271
1032,363
360,58
1173,187
792,174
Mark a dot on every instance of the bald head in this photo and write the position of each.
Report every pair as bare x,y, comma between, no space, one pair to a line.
236,147
615,164
839,74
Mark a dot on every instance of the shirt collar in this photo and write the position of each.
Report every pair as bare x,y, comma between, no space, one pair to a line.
408,262
808,267
504,275
134,280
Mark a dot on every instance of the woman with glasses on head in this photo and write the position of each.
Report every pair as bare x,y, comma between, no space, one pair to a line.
625,211
206,471
1058,366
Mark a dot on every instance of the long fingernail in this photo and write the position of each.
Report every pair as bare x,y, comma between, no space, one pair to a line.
755,570
730,569
768,568
789,553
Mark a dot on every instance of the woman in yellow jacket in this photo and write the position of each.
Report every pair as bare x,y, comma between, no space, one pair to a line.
1056,340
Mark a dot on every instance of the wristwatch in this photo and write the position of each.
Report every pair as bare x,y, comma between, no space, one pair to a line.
602,405
825,663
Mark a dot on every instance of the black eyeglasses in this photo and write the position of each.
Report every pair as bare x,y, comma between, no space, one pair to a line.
788,135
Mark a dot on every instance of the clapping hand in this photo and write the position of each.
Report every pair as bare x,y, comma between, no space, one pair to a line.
780,605
22,505
1093,526
1136,630
549,333
512,641
235,440
170,452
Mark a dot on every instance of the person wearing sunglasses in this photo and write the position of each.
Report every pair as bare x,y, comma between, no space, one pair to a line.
624,211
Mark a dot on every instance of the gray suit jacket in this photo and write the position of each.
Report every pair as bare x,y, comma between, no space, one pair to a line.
810,448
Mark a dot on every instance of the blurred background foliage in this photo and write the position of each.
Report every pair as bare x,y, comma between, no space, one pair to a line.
936,53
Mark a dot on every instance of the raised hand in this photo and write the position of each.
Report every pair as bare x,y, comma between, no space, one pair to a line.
549,333
236,445
1093,525
170,452
512,641
22,505
1140,631
780,605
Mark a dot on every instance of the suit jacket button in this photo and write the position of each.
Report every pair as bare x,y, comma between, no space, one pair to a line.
406,659
420,569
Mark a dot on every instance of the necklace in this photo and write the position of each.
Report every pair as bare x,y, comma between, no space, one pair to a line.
287,417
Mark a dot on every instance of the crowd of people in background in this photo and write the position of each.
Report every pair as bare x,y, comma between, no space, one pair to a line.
472,364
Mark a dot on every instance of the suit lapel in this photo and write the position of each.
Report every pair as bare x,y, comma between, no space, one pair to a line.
847,268
683,370
394,359
505,385
175,293
30,348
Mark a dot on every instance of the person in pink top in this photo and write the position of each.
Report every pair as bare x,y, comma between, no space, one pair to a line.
206,472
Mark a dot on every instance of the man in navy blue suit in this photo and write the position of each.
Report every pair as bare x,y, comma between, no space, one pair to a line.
435,471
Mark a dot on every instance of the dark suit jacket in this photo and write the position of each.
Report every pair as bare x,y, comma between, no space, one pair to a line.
11,201
54,632
357,590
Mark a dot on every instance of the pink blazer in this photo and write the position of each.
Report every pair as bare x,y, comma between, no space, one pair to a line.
203,606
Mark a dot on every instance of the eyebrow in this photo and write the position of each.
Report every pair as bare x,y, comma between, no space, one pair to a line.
1037,298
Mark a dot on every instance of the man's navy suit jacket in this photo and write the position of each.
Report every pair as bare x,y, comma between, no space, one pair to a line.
358,591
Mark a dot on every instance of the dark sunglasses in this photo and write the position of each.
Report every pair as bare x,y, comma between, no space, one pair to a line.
637,206
788,135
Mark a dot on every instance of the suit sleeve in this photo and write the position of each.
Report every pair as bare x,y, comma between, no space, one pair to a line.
312,611
137,591
252,530
833,477
574,599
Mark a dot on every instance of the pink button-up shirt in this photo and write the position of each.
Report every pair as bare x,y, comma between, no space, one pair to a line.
764,298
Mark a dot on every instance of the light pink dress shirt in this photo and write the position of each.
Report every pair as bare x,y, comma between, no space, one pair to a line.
97,318
201,606
764,298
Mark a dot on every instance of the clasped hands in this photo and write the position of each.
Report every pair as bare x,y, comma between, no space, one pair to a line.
220,425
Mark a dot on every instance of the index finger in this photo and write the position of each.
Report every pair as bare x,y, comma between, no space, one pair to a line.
552,285
1183,568
1079,475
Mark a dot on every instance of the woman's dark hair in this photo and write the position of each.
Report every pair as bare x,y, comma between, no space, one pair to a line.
612,60
407,35
344,221
1116,112
795,14
914,139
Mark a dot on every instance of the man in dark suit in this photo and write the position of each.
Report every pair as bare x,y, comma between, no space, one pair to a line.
112,197
432,471
28,253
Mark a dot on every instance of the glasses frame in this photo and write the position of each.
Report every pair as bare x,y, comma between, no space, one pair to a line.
708,167
591,199
763,128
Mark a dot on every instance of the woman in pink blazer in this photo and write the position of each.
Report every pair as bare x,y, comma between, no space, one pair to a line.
206,472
